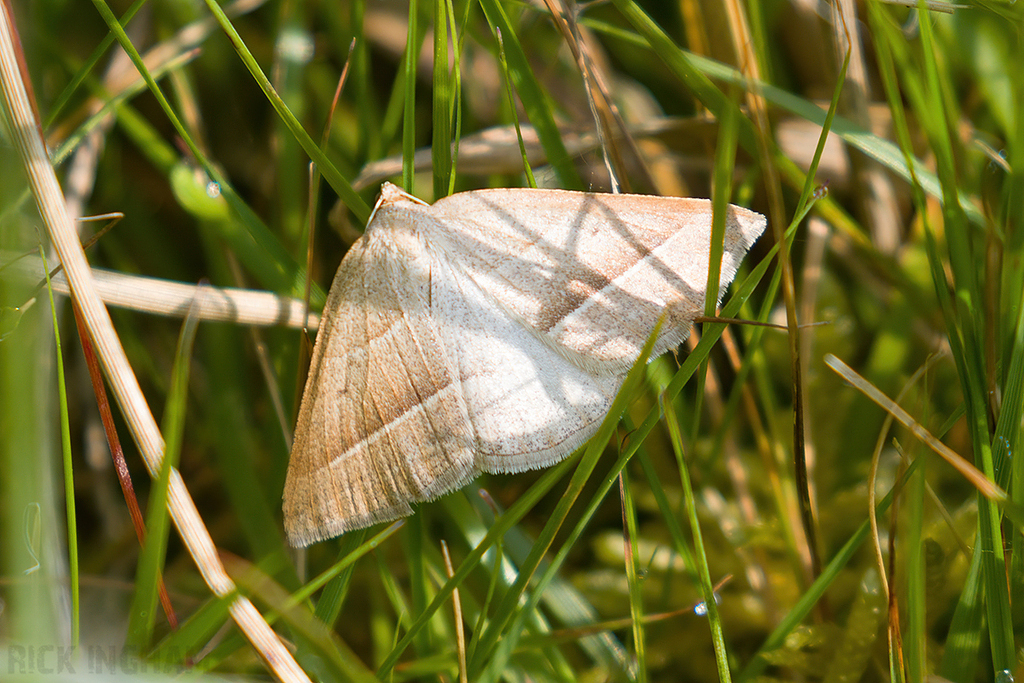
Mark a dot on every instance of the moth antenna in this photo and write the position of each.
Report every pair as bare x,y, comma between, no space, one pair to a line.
611,129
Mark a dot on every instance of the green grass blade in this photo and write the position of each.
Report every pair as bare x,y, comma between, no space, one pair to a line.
964,322
685,69
631,538
69,473
567,605
412,44
324,654
966,629
536,104
154,549
700,552
441,145
531,181
830,572
694,71
277,265
324,166
328,607
500,527
915,602
86,69
195,633
497,642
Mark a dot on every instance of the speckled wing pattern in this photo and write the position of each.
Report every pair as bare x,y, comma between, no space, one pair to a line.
487,332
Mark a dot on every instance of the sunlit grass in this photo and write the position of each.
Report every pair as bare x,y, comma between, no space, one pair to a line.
912,252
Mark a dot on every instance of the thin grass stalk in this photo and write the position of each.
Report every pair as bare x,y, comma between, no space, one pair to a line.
87,67
537,106
498,554
970,612
117,452
558,598
967,322
412,543
69,473
179,646
631,559
725,152
409,102
142,616
126,388
700,553
328,607
289,71
455,100
531,181
1008,436
202,625
1007,439
506,627
330,173
765,153
915,605
692,68
441,144
279,259
497,530
759,662
323,653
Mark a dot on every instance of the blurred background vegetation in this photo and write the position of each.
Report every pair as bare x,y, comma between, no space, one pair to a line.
912,253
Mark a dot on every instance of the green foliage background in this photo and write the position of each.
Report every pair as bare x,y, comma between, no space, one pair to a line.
913,257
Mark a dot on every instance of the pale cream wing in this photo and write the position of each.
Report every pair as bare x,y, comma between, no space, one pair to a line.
592,273
383,422
529,405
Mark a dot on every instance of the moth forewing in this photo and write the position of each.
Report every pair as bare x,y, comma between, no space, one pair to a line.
593,272
382,421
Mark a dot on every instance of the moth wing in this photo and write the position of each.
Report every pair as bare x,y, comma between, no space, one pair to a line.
382,422
529,405
592,273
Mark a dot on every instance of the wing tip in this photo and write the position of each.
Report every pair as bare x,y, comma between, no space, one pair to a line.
750,223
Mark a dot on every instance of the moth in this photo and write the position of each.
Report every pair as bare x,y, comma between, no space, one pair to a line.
487,332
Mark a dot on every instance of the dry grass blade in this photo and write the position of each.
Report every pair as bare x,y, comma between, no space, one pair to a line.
460,633
61,228
117,456
880,196
169,298
969,471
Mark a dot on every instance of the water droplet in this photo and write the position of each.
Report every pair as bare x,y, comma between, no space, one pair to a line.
1004,676
701,608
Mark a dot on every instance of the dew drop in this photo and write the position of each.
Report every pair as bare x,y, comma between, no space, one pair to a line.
701,608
